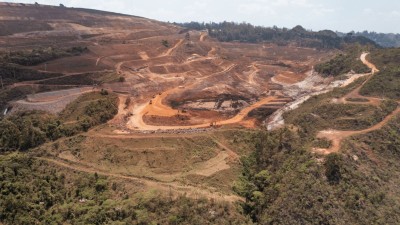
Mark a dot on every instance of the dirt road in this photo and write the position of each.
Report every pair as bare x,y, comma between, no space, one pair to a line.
169,51
227,69
136,121
356,92
336,136
157,108
177,189
369,64
143,55
251,76
203,36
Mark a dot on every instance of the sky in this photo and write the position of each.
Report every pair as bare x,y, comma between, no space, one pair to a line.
338,15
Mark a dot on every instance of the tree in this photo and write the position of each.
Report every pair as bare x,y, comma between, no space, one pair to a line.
9,135
103,92
85,123
53,130
31,136
332,168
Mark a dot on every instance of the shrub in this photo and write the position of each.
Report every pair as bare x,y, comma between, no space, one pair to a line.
332,168
101,111
342,64
9,135
165,43
103,92
121,79
384,84
40,55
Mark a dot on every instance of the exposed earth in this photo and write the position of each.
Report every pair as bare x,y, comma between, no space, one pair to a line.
181,93
192,81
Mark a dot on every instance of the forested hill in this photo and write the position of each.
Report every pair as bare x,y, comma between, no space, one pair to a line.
244,32
384,40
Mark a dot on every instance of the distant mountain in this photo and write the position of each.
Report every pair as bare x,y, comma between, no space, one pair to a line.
245,32
386,40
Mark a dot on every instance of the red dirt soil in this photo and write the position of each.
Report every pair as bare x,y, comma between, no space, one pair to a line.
189,69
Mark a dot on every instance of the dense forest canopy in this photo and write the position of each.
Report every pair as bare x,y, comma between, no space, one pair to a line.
245,32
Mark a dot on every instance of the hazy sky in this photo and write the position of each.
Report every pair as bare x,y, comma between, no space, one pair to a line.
341,15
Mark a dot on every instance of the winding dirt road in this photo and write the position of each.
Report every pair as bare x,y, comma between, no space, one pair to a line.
255,71
355,94
203,36
158,108
337,136
169,51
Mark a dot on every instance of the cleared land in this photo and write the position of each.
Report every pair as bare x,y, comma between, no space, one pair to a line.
187,68
183,83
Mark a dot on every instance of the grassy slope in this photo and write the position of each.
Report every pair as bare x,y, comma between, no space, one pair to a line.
35,192
285,183
35,128
386,83
319,113
77,108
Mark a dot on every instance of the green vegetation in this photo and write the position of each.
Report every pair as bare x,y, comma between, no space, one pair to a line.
12,73
333,165
282,181
41,55
9,94
244,32
311,118
90,110
27,130
385,143
319,113
384,58
34,192
83,79
357,100
385,83
384,40
284,184
321,143
343,63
